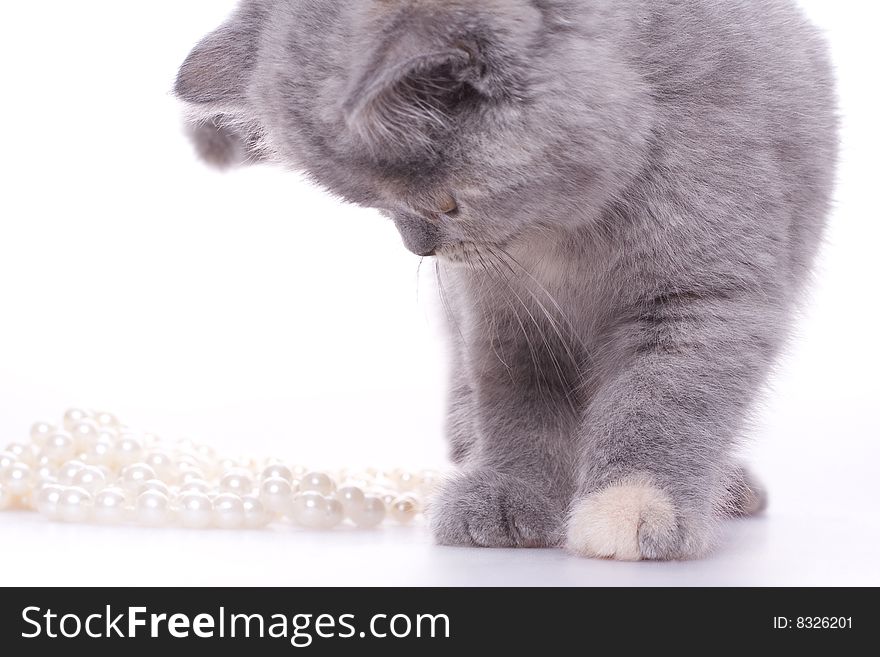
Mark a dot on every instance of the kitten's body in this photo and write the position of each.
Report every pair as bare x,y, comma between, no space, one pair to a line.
625,199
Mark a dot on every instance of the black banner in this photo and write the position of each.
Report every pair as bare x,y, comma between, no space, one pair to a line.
430,621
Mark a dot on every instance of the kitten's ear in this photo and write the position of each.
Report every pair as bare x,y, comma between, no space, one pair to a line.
215,75
408,93
213,82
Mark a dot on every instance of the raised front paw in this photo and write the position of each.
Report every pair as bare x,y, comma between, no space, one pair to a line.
485,508
217,145
634,520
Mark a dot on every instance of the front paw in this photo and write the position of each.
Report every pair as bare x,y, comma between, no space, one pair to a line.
633,520
485,508
216,144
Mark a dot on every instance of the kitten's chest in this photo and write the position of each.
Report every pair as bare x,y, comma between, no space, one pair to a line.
553,300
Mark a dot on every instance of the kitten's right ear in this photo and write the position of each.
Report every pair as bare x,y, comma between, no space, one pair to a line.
214,77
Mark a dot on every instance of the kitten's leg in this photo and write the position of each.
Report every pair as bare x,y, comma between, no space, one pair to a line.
461,420
657,436
460,424
516,482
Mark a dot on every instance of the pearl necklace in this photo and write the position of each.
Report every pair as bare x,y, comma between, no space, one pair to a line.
93,468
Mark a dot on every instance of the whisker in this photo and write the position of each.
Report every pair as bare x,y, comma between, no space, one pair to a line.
562,314
490,320
572,331
551,352
445,301
548,348
536,362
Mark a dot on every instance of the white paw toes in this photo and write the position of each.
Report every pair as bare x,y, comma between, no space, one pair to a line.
615,522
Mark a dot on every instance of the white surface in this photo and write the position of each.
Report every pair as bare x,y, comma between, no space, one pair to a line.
253,312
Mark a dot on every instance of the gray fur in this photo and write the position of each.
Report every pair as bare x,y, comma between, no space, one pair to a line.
625,198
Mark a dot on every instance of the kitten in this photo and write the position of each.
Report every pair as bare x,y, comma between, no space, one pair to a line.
624,198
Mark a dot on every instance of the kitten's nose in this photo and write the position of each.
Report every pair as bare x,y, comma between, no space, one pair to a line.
419,236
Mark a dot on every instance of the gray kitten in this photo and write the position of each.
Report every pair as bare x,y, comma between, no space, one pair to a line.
624,198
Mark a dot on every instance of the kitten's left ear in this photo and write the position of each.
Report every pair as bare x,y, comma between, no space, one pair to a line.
215,75
409,90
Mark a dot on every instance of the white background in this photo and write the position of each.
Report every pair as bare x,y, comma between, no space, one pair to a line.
254,312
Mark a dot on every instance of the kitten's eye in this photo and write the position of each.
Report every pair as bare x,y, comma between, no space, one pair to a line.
448,205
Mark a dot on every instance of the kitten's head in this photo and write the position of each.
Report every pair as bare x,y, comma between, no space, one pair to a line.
469,124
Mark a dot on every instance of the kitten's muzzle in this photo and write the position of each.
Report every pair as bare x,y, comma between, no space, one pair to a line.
419,235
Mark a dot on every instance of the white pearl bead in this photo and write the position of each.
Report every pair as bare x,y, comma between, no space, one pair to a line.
162,463
108,434
110,506
352,499
191,475
28,454
276,495
109,473
26,501
133,476
383,482
67,473
6,499
59,447
185,456
238,481
17,479
101,451
276,471
249,464
84,434
40,432
48,500
156,485
90,479
152,508
75,505
74,416
317,482
195,510
184,470
104,419
334,515
46,472
228,511
406,480
185,446
404,509
7,460
354,482
226,465
195,486
255,514
129,449
310,509
205,453
371,514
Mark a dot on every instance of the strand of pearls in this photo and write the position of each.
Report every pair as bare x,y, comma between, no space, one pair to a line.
92,468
